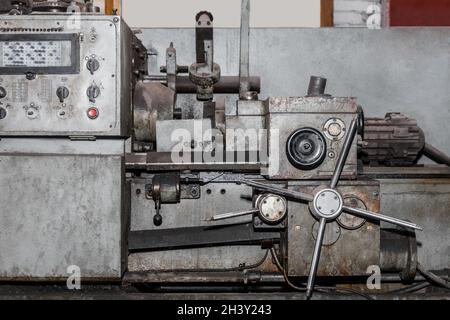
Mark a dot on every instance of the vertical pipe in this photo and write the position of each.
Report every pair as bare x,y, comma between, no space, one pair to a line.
245,45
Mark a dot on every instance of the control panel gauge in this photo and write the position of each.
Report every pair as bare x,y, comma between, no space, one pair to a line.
39,53
35,54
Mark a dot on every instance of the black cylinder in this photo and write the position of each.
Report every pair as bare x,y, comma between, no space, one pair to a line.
317,86
226,84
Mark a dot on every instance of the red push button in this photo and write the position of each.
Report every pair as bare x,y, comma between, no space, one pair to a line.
92,113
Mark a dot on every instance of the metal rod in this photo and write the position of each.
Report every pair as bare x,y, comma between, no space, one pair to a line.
380,217
344,154
205,276
436,155
245,45
225,216
279,191
226,84
315,258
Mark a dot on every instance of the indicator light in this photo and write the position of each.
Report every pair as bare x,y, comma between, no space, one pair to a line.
92,113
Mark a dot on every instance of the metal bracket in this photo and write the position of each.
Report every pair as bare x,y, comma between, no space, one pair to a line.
198,237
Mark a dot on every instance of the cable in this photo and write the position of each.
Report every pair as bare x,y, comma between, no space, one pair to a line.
242,267
283,271
348,290
319,289
432,278
411,289
203,183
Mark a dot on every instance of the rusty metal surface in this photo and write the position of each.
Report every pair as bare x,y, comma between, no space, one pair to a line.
286,115
226,277
426,202
203,258
395,140
399,252
351,253
152,102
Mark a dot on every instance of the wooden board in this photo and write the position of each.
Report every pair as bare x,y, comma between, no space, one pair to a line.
112,7
326,13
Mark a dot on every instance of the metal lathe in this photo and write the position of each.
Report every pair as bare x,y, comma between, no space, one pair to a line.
200,160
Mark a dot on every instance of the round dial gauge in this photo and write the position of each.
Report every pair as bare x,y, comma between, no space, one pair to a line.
272,208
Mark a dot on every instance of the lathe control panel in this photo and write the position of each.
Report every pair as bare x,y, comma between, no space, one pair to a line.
57,79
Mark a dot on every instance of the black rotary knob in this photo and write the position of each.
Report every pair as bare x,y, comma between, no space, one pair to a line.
3,93
62,93
3,113
306,149
93,92
92,65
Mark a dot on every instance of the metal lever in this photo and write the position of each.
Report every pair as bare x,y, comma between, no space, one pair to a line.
279,191
225,216
344,154
380,217
315,258
157,218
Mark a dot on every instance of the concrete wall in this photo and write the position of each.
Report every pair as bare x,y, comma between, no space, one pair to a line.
181,13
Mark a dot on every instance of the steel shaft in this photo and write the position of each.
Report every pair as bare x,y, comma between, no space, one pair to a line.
315,258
